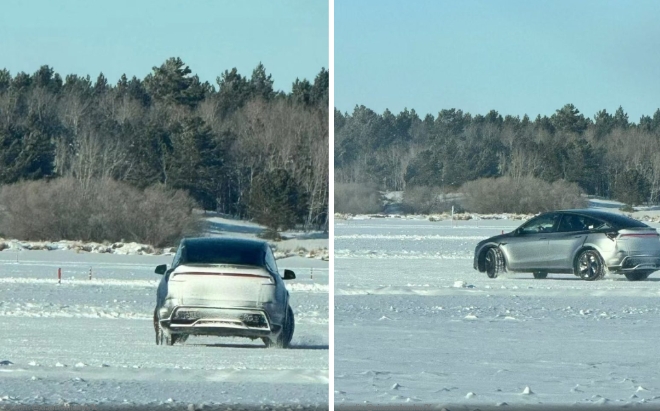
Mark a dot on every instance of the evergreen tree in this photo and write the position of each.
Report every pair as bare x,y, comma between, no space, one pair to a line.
261,84
276,201
234,92
172,84
319,93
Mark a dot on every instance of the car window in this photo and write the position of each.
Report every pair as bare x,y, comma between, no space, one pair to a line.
621,221
546,223
177,257
593,224
572,222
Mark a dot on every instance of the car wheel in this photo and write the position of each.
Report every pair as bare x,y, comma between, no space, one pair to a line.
589,265
540,275
161,336
494,262
637,275
163,339
156,327
286,335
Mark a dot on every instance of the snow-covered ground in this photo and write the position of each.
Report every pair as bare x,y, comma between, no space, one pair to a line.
91,342
416,324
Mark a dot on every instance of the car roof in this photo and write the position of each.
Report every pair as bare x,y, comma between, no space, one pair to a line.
616,220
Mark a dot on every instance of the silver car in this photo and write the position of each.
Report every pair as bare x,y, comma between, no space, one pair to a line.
223,287
582,242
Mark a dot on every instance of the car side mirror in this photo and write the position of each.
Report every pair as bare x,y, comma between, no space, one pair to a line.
161,269
289,275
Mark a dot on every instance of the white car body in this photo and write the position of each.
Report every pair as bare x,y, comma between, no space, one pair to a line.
223,299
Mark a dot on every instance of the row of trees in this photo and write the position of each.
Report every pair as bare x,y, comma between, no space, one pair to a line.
239,147
607,156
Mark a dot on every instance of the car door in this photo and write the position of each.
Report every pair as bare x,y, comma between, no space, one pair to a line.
571,233
527,249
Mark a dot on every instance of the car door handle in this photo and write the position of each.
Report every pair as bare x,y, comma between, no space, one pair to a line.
578,236
542,238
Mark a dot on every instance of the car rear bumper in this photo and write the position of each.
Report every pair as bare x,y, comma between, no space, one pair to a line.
630,263
219,321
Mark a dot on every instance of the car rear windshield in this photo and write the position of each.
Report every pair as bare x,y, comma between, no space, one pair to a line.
222,253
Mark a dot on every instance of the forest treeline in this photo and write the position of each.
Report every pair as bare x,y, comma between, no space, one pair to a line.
238,147
607,156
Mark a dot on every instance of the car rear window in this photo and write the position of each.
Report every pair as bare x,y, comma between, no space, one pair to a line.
622,221
203,252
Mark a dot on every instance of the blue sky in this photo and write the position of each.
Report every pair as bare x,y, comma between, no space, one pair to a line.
114,37
513,56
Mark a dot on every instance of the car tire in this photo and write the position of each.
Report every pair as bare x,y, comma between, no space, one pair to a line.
637,275
589,265
157,327
539,275
286,335
163,339
493,262
161,336
171,340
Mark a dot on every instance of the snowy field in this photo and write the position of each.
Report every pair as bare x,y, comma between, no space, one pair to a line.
416,324
91,342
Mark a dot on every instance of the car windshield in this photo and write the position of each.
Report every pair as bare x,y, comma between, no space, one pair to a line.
211,252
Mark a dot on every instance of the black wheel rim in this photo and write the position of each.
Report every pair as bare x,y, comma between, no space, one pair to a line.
589,265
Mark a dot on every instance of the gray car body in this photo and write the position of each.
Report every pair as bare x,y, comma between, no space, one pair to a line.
624,244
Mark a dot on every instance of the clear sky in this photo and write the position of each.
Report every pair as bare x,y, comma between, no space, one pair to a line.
290,37
514,56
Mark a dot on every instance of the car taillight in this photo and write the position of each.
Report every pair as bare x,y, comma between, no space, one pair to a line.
612,235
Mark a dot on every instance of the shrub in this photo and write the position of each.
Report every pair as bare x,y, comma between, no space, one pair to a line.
627,208
356,199
426,200
270,234
527,195
95,210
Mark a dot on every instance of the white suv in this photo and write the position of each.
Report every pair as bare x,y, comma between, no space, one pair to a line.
223,287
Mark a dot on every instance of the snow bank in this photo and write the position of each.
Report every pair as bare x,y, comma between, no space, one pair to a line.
647,216
437,217
137,248
312,244
87,247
